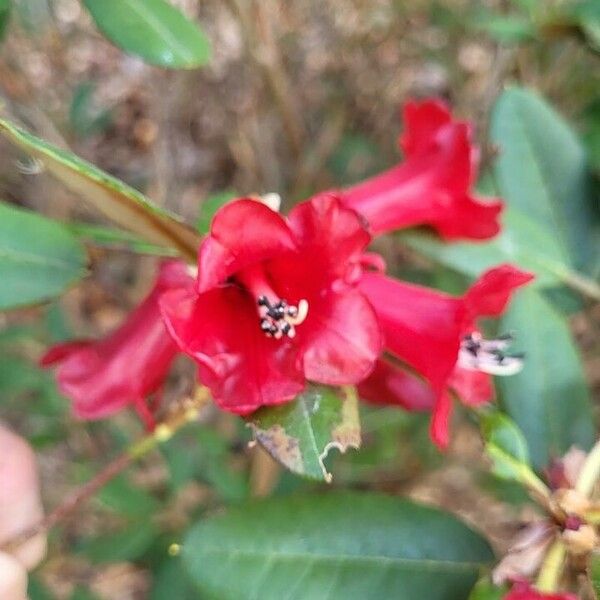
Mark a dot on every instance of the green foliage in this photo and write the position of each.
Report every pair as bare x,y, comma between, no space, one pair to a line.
484,590
39,258
542,171
522,241
548,399
126,499
210,206
508,29
505,445
124,205
85,117
117,240
339,545
5,11
128,543
171,581
301,433
154,30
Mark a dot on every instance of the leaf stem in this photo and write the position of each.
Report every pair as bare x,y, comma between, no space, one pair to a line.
551,570
581,284
187,412
589,472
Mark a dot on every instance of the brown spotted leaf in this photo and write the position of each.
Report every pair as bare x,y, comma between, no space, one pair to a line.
301,433
119,202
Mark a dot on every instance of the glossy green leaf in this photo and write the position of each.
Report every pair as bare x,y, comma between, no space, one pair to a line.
522,241
39,258
339,545
154,30
301,433
548,399
123,204
542,171
171,581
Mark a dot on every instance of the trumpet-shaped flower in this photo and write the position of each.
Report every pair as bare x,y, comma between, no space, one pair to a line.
102,377
432,186
276,303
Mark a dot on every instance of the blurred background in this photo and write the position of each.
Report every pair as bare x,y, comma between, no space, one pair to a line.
297,97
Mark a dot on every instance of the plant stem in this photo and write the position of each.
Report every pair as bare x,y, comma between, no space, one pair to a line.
187,412
551,568
589,472
581,284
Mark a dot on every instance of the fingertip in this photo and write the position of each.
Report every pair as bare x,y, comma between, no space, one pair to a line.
13,578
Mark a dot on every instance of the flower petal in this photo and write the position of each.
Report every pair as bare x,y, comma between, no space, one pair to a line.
101,377
220,330
420,326
392,385
490,294
432,186
440,420
473,387
243,232
328,234
340,340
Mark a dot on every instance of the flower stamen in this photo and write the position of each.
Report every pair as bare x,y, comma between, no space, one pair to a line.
278,319
489,356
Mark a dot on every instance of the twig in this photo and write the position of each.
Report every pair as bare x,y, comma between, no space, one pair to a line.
188,411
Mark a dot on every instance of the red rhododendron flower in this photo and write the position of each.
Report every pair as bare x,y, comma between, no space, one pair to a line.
436,334
523,591
130,364
432,186
276,303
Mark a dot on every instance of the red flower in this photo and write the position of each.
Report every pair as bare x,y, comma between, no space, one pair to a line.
523,591
436,335
102,377
276,303
432,186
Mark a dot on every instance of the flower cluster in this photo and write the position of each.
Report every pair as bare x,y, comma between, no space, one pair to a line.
280,301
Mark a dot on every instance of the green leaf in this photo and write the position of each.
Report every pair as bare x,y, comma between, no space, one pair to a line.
507,448
171,581
39,258
85,117
339,545
485,590
505,444
522,241
210,206
153,30
124,205
548,399
128,500
509,29
128,544
5,10
301,433
117,239
542,172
